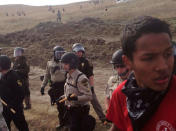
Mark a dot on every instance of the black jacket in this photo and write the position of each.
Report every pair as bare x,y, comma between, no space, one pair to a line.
11,90
85,67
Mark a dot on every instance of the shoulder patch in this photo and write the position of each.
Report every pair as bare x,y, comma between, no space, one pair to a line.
84,81
19,82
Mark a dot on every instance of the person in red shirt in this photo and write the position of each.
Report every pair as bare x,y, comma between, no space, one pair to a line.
146,101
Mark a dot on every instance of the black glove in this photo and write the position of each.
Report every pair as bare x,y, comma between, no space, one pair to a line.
92,89
52,102
42,90
60,98
73,98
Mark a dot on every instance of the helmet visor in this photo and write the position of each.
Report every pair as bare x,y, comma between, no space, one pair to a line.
79,48
17,53
58,54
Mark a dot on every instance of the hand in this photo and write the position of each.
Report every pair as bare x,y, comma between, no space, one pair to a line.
42,90
72,98
60,98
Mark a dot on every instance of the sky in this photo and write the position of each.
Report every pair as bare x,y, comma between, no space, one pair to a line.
39,2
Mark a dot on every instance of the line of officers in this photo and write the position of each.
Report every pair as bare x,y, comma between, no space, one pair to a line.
70,77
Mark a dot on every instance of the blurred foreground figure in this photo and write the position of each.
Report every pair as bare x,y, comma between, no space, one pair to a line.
3,126
12,94
146,101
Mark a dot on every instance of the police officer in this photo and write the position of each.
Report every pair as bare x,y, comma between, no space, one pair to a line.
3,126
22,67
121,73
78,94
55,76
12,93
87,68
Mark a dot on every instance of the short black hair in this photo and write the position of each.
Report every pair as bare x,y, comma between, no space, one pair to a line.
135,28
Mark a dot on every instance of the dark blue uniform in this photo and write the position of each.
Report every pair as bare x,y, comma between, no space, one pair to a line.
12,93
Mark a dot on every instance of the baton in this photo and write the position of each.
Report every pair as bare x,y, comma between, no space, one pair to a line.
11,109
64,99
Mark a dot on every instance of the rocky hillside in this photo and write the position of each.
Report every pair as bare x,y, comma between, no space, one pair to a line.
38,42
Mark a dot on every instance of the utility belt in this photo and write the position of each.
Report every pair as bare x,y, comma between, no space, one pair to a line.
56,84
56,90
79,108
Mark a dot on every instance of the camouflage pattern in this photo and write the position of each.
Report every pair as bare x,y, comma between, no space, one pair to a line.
112,84
3,126
82,90
53,73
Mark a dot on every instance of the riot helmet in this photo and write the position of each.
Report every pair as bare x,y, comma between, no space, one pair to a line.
58,52
71,59
78,47
5,62
18,51
117,58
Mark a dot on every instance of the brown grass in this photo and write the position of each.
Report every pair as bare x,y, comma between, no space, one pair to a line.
121,11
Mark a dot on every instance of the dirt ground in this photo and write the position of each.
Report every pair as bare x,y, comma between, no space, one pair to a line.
43,116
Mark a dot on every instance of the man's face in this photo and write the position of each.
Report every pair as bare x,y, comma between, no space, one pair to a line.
79,53
153,61
122,71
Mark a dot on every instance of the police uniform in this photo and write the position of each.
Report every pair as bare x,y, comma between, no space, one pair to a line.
112,84
78,84
12,93
3,126
86,67
20,65
55,76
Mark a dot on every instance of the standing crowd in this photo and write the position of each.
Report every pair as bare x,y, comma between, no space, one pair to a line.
140,95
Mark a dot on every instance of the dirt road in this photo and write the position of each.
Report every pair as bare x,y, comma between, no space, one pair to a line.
43,116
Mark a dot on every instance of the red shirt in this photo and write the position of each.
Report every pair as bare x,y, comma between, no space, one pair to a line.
164,118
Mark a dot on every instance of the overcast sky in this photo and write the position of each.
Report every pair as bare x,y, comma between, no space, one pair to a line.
39,2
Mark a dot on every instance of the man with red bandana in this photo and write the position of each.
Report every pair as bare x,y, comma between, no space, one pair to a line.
146,101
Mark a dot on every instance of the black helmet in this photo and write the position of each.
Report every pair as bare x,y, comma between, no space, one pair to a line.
78,47
58,52
5,62
117,57
71,59
58,48
18,51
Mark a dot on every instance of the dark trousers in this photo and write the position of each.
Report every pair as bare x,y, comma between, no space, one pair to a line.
63,118
57,90
78,118
18,118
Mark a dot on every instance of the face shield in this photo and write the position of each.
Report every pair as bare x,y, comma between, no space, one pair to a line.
58,54
17,53
79,48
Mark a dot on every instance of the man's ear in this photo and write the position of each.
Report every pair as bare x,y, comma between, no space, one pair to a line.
127,62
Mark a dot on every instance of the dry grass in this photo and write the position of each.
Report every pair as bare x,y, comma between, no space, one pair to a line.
121,11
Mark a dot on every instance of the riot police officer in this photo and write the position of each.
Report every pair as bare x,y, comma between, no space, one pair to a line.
121,73
86,67
12,93
21,66
55,76
78,94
